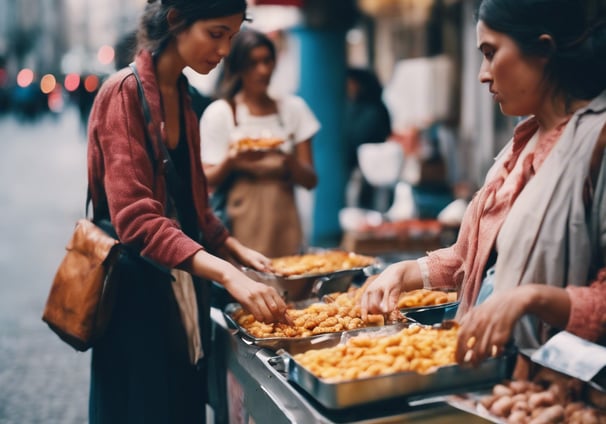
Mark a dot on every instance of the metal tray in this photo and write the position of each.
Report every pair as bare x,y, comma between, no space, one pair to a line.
306,286
430,315
312,285
277,343
410,385
293,345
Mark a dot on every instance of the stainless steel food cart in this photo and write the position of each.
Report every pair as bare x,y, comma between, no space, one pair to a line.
272,398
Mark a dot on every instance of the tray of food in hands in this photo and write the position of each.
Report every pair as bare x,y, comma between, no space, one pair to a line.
312,322
261,144
313,274
404,360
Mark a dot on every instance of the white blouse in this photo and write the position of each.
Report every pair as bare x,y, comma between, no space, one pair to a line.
294,123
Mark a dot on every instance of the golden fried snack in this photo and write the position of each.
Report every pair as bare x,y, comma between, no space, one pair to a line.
319,263
341,314
417,348
425,297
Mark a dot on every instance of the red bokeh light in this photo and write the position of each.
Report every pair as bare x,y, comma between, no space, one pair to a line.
91,83
71,82
25,77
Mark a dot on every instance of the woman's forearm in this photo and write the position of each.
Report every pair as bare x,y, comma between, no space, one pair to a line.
204,265
216,174
303,174
301,166
549,304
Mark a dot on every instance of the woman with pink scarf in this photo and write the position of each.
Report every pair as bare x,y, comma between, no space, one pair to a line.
533,239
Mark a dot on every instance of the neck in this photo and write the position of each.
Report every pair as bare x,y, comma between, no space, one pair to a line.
553,114
258,98
169,67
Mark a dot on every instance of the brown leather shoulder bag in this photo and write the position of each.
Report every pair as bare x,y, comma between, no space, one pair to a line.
79,303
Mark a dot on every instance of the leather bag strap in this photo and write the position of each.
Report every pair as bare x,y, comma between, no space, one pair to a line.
170,173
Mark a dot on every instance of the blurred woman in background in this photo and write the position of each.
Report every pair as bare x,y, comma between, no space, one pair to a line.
259,181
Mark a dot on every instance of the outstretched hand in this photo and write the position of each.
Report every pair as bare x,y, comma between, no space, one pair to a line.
486,329
382,294
247,256
261,300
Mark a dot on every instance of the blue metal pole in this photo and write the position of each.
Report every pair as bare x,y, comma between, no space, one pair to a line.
322,85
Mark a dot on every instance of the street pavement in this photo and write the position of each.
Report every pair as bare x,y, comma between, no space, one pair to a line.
42,194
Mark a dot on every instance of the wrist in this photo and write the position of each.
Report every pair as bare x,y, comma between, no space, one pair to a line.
531,298
228,278
410,276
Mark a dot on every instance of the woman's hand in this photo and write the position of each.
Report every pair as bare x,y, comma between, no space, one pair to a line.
246,256
382,294
259,299
487,328
260,164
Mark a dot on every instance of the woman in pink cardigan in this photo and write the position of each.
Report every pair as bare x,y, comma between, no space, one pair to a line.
534,236
150,365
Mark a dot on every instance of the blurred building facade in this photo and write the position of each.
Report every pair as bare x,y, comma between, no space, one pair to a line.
61,36
323,37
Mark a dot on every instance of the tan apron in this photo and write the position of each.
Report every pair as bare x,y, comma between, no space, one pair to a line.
264,216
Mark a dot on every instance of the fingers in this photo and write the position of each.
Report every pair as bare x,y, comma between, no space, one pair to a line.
371,302
390,300
261,264
476,343
268,306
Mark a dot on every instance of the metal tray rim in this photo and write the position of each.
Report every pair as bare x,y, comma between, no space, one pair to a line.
334,395
428,307
290,343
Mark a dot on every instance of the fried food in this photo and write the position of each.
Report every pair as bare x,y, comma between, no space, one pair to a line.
416,348
319,263
425,297
341,314
249,143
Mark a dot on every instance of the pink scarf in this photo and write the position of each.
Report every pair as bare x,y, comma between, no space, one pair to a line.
494,201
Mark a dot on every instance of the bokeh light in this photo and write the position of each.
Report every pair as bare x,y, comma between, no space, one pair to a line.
55,99
71,82
105,55
91,83
48,83
25,77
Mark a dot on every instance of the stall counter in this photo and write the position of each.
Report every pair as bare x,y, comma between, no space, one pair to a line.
270,398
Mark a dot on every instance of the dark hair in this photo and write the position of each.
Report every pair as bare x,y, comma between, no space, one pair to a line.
125,49
238,59
154,32
576,59
370,88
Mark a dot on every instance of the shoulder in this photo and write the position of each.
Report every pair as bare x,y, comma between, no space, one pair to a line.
216,109
117,82
293,102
